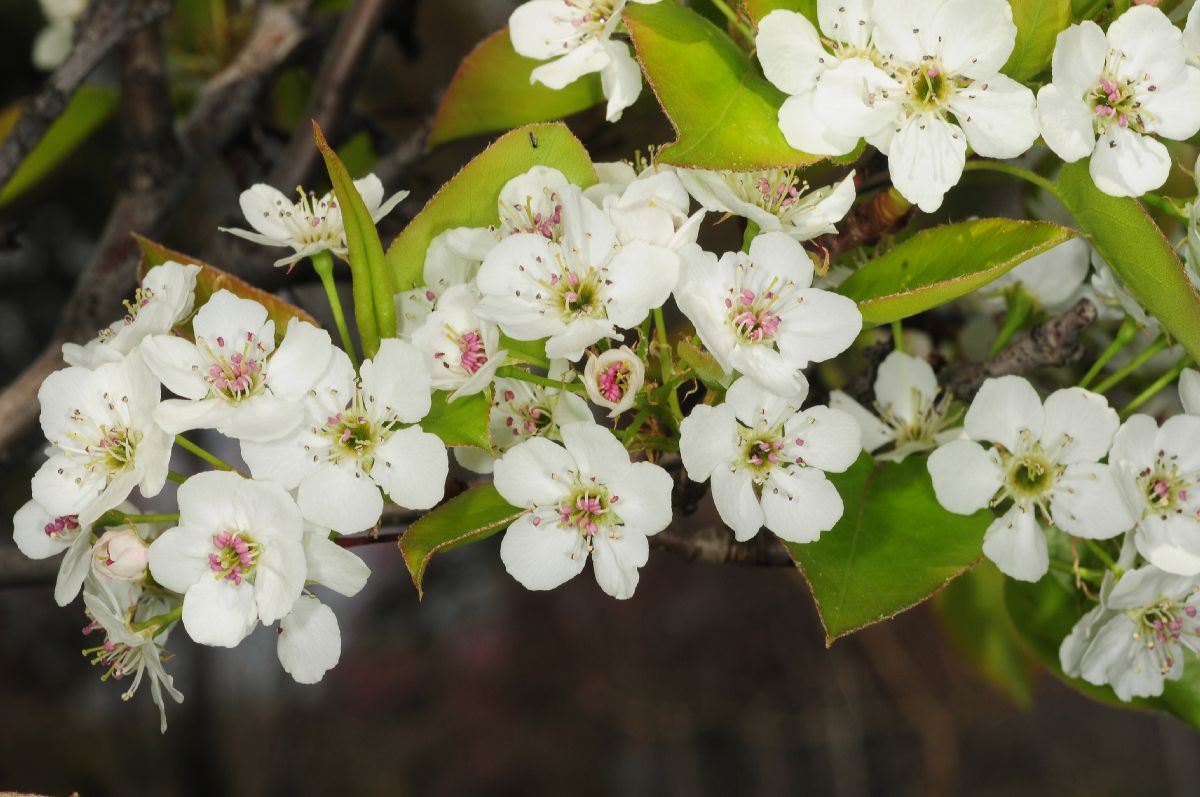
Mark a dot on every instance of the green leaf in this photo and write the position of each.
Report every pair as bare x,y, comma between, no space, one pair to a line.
723,110
972,613
462,422
532,352
1038,24
894,547
212,279
470,517
469,198
706,367
944,263
491,91
88,109
757,9
1044,613
371,281
1138,252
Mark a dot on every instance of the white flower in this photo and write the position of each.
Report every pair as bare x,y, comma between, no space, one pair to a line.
237,556
583,497
309,225
40,535
757,314
120,554
911,416
777,200
445,266
1053,278
899,71
128,651
166,297
1189,391
577,35
1191,37
106,441
767,460
1159,472
614,378
1135,639
1113,93
351,443
53,43
577,290
461,350
651,207
1113,299
1044,458
233,378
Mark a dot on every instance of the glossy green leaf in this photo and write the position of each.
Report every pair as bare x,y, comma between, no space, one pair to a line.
1129,241
972,613
472,516
532,352
88,109
757,9
491,91
1044,613
371,280
469,198
462,422
723,110
944,263
705,366
894,547
212,279
1038,24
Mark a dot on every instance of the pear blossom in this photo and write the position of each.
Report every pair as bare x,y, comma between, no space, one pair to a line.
233,378
54,42
105,440
1158,470
919,79
583,499
461,350
1054,279
1189,391
578,289
912,412
356,438
767,461
166,298
575,36
40,535
614,378
120,554
237,556
445,266
1136,639
310,224
1045,458
777,200
1113,299
128,651
1113,93
651,206
757,314
533,203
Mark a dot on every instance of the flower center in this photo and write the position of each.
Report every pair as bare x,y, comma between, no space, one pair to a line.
753,314
235,556
590,19
1165,488
141,298
1114,101
524,217
614,381
113,449
1030,474
66,524
472,355
312,220
929,86
117,658
578,296
351,434
929,417
235,373
588,509
761,452
1160,627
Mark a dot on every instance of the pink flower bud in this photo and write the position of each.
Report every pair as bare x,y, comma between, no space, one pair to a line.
120,554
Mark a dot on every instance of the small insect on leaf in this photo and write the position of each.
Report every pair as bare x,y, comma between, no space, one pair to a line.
533,142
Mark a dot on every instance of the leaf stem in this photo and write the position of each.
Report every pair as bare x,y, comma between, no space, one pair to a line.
1017,313
1014,171
1083,572
630,431
160,620
1137,362
1160,383
512,372
733,18
204,454
1125,333
666,361
898,336
177,478
749,235
1100,553
322,263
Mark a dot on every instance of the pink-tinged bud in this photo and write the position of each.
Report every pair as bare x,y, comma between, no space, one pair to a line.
120,554
614,379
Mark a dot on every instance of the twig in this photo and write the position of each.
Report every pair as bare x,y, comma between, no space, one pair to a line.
866,224
1053,343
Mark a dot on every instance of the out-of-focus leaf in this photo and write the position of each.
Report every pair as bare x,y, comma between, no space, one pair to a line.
944,263
469,198
1136,249
212,279
358,154
289,97
88,109
894,547
757,9
1038,25
723,110
705,366
462,422
491,91
472,516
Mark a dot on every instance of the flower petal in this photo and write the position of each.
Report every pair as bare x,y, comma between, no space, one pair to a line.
219,613
707,440
965,476
1079,425
832,439
904,384
340,497
333,566
396,378
1066,123
1086,501
533,472
790,51
179,557
411,468
309,643
998,115
738,506
642,498
1126,163
800,503
616,558
1003,407
926,159
1017,545
543,556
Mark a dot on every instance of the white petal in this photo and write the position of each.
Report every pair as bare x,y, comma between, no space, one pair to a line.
1017,544
738,506
857,98
1002,408
1086,501
29,532
181,415
906,29
776,253
283,461
1189,391
965,476
616,558
1126,163
541,557
1079,53
832,439
264,208
773,371
411,468
642,498
541,28
1078,424
846,21
232,317
260,418
643,277
707,440
279,578
1134,442
1066,123
800,503
333,566
998,115
63,487
808,131
875,434
309,643
576,336
620,79
596,450
341,498
177,363
1170,543
976,37
790,51
1175,106
904,384
1150,45
76,565
759,408
561,72
926,160
1179,439
818,327
819,211
299,361
219,613
179,557
396,378
533,472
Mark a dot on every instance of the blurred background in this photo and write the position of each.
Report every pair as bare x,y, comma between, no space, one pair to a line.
713,680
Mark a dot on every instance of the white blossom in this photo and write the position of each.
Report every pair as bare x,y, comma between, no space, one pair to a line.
1045,459
445,266
651,206
757,314
1113,299
767,461
1113,93
54,42
1054,278
120,554
1189,391
614,378
40,535
584,499
461,350
777,200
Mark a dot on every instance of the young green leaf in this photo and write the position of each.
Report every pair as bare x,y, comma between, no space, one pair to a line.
212,279
723,110
757,9
491,91
469,198
1038,24
470,517
1136,249
944,263
462,422
894,547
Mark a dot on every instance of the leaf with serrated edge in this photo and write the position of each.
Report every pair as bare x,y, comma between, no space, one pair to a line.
472,516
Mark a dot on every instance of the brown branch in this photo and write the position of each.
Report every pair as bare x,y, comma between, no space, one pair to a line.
103,25
1053,343
866,224
716,545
